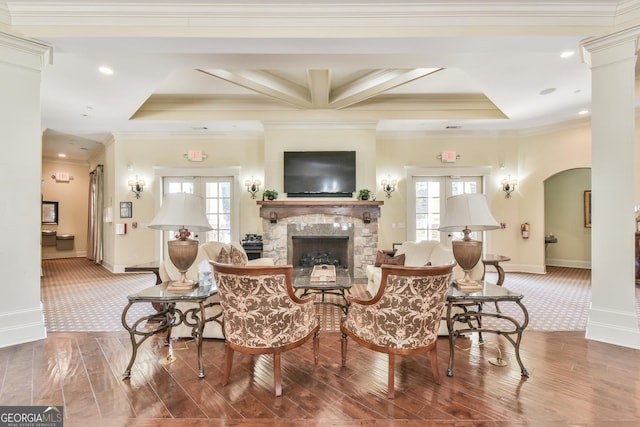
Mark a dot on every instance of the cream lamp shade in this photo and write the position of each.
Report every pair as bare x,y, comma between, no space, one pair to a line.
183,212
466,213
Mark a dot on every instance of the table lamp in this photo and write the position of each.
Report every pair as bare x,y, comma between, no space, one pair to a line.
183,212
467,213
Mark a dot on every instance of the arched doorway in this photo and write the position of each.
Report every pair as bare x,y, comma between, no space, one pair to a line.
564,214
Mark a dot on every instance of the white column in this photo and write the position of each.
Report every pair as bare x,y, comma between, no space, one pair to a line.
21,63
612,317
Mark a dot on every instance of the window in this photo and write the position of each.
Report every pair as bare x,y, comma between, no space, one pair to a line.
218,209
217,193
428,205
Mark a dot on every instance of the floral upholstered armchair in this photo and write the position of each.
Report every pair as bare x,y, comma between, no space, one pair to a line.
262,315
403,317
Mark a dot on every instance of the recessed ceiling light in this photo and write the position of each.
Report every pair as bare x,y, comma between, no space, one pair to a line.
62,155
567,54
547,91
583,112
105,70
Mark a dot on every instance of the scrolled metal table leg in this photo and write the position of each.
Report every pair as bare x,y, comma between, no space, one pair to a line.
195,317
132,337
521,328
201,318
451,340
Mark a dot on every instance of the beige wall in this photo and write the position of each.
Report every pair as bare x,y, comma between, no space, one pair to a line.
148,158
564,218
400,156
72,206
360,138
531,159
541,156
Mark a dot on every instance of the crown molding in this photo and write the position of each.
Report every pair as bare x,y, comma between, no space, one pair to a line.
23,52
488,134
304,18
187,135
314,125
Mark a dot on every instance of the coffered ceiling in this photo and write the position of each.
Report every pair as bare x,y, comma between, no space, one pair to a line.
219,68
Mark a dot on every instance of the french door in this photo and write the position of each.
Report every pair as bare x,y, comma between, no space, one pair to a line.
429,196
217,193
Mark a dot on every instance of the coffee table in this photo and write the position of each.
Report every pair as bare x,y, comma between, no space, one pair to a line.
170,315
302,280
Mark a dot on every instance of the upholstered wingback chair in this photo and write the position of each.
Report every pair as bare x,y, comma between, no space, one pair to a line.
403,317
206,252
262,315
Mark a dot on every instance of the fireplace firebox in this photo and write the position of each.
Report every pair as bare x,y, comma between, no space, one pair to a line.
314,250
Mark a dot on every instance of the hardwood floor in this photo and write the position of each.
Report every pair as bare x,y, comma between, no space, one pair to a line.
573,382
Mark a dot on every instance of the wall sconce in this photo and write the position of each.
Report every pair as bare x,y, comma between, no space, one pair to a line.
137,186
389,186
509,186
253,186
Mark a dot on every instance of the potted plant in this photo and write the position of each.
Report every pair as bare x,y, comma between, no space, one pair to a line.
365,194
269,195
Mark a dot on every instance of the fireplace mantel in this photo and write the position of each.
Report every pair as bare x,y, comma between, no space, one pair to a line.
272,210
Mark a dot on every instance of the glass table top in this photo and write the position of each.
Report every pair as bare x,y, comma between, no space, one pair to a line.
160,292
489,292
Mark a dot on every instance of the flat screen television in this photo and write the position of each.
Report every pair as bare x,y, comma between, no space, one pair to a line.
319,173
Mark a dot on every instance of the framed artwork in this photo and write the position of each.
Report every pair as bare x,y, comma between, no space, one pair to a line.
126,209
587,208
49,212
396,246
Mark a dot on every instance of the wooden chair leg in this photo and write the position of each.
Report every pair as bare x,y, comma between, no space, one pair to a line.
316,347
343,349
391,385
434,365
228,361
277,375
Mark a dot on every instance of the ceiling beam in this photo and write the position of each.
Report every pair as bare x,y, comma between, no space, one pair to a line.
267,84
319,87
375,83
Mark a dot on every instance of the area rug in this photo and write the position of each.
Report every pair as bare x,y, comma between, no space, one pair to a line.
80,296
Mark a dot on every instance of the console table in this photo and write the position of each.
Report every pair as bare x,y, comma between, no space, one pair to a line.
471,313
170,315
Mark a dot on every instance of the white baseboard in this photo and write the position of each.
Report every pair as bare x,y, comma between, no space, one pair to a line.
63,254
523,268
21,326
570,263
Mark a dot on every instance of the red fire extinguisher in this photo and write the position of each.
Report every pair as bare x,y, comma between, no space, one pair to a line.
524,229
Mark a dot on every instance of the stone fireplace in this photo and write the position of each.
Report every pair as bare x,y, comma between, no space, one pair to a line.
346,230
